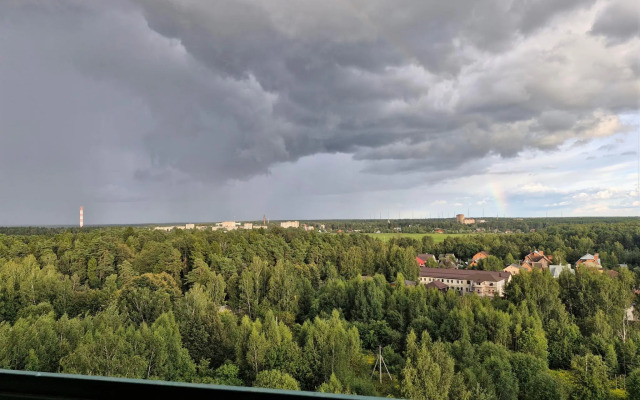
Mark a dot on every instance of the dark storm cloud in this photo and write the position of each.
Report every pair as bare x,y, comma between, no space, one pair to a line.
383,81
618,21
121,101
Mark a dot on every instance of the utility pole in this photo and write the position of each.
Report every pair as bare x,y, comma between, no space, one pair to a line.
379,363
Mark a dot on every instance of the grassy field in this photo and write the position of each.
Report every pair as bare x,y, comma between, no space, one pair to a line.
437,237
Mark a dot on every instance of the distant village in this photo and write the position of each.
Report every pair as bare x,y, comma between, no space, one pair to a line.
459,224
446,272
233,225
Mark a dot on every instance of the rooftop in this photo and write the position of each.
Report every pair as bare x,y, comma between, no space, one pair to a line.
556,270
438,285
464,274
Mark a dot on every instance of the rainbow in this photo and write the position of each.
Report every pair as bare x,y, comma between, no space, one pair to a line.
500,199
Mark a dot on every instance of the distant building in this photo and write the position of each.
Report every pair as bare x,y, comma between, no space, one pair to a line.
228,225
556,270
309,227
482,283
259,227
443,287
477,257
514,269
466,221
423,258
163,228
247,225
591,261
536,259
172,227
290,224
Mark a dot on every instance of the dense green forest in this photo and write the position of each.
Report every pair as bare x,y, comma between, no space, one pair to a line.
291,309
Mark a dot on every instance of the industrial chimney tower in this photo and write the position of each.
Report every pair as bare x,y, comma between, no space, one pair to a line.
81,216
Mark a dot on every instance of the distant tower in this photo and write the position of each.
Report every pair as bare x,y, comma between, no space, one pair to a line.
264,219
81,216
460,218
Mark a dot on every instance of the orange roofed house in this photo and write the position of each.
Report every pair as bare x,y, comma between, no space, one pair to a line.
536,259
477,257
591,261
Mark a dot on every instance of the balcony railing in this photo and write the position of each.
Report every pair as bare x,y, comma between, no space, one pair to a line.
44,385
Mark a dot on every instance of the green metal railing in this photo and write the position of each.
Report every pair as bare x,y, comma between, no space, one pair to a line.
44,385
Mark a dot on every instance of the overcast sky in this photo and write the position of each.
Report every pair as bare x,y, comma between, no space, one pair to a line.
200,110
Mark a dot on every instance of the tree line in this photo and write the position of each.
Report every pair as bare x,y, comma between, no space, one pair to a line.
304,310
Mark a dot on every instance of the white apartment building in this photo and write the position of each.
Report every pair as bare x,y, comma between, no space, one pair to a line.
228,225
482,283
164,228
290,224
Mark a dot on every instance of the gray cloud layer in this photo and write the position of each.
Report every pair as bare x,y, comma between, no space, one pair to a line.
144,92
619,21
